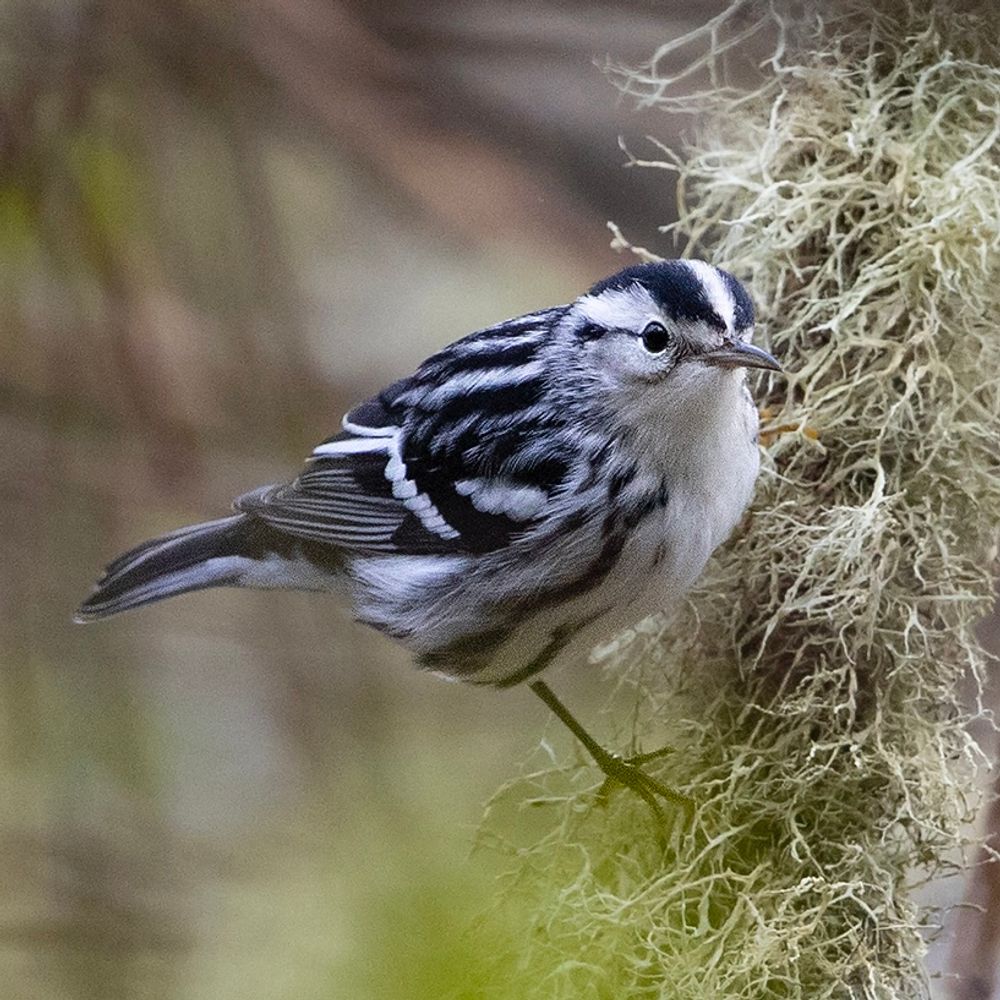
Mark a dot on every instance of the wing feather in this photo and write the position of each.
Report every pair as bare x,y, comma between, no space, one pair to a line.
456,458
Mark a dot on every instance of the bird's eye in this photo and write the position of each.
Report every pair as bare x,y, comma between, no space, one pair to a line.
655,338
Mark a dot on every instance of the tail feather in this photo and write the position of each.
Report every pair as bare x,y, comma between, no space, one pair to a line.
211,554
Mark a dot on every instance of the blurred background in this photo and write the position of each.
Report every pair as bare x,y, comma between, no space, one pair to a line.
220,225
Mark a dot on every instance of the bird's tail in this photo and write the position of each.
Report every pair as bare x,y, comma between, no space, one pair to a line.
213,554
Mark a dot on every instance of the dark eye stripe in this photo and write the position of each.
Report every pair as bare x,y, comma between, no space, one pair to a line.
590,331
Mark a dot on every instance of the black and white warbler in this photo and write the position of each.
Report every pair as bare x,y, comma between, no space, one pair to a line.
528,491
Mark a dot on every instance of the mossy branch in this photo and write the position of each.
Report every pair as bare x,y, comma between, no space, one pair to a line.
811,682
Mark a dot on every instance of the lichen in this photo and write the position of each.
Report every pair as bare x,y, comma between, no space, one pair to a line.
810,683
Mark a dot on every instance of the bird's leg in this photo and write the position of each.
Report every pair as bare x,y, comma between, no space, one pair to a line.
617,769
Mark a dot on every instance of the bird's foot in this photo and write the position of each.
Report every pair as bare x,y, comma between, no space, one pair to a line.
628,772
618,770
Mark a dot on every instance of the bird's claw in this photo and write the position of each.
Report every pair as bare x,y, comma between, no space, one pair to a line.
628,772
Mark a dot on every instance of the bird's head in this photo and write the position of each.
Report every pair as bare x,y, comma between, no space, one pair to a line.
682,325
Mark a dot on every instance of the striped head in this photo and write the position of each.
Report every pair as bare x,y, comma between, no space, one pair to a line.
651,323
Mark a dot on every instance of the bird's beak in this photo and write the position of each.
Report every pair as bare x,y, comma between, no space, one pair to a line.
736,354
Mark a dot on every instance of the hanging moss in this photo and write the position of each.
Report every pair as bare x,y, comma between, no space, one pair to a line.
810,684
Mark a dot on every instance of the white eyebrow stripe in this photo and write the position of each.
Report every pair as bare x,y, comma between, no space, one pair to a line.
718,293
629,307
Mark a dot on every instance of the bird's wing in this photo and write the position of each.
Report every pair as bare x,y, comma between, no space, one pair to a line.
457,458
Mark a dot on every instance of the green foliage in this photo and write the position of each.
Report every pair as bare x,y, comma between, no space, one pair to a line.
811,683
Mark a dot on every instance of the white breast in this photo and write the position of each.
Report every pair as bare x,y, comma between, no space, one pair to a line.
710,461
701,444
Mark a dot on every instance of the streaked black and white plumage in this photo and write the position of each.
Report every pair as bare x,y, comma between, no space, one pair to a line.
528,491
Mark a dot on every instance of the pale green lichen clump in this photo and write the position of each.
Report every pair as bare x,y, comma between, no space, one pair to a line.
811,684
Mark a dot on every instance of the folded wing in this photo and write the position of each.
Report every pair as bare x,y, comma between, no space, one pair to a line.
458,458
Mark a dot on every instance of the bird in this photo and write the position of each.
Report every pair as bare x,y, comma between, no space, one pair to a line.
531,490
